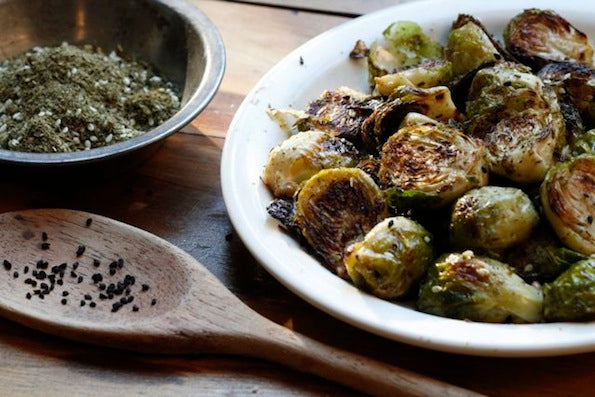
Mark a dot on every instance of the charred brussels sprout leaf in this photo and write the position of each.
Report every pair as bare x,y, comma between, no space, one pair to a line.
404,44
474,288
303,155
435,163
537,37
491,219
571,297
391,259
584,144
541,258
569,203
519,120
336,207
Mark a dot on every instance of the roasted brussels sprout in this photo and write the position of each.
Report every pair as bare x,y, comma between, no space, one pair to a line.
584,144
336,207
475,288
519,120
537,37
414,119
542,257
404,44
571,297
468,47
433,102
303,155
431,165
491,219
427,74
568,199
573,82
391,259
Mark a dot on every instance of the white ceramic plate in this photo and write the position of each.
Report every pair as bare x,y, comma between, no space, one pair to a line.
326,66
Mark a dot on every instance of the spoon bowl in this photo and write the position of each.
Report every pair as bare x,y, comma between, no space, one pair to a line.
111,284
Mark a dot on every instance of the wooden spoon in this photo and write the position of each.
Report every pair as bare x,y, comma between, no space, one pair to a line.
165,302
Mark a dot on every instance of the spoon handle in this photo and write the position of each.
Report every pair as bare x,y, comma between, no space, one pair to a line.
279,344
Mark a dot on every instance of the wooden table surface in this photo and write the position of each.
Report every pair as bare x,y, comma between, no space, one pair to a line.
176,194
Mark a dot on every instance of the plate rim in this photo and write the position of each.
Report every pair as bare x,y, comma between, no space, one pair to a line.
254,245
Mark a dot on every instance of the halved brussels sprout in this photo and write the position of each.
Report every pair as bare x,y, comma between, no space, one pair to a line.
303,155
584,144
391,259
519,120
475,288
574,82
404,44
568,199
336,207
468,47
427,74
433,163
413,119
542,257
571,297
537,37
491,219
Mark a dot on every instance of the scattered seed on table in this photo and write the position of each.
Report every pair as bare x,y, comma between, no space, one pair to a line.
64,301
44,236
7,264
65,293
102,296
15,275
101,286
134,308
72,273
28,296
40,275
116,306
80,280
26,270
96,262
45,246
88,297
92,304
88,222
83,303
112,272
41,264
145,287
44,286
80,250
75,265
120,263
60,282
153,302
113,265
97,277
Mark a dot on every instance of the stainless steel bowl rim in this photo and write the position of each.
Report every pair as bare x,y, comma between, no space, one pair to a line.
214,54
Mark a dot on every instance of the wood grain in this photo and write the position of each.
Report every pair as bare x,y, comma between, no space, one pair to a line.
176,195
348,7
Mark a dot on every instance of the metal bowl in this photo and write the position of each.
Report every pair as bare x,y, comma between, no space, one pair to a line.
173,36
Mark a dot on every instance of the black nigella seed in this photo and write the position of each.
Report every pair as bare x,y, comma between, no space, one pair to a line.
65,293
116,306
26,270
120,262
145,287
64,301
41,264
83,303
44,286
44,236
134,308
33,283
96,262
97,277
80,250
101,286
88,297
15,275
88,222
112,272
80,279
41,275
590,219
123,300
92,304
41,296
55,269
113,265
28,296
75,265
153,302
128,291
72,273
130,298
60,282
7,265
45,246
52,278
110,296
102,296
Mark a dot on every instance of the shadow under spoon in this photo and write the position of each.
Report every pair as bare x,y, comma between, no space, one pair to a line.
100,281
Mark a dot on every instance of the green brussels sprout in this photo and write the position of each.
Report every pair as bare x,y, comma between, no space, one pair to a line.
519,120
584,144
541,257
571,297
427,74
404,44
431,165
574,82
336,207
569,203
491,219
468,47
391,259
303,155
465,286
537,37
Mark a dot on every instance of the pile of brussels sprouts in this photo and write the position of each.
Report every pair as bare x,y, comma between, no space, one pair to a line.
465,180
